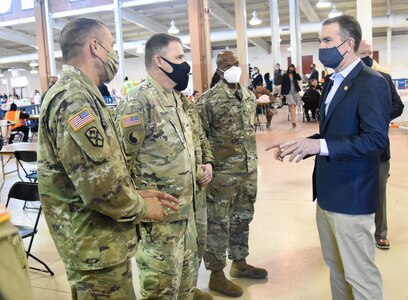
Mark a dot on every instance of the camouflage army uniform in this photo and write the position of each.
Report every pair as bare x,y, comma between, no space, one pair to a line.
14,276
203,155
230,128
156,136
89,199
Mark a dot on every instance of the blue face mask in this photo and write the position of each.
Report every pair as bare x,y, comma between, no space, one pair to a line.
331,57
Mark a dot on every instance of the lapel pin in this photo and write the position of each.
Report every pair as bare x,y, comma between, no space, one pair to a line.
346,88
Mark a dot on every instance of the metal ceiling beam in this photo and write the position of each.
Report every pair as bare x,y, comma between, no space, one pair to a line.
17,37
309,11
225,17
142,21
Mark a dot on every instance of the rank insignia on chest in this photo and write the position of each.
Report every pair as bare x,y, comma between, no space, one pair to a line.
131,120
81,119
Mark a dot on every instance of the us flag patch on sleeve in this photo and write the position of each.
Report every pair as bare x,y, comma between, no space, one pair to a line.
131,120
81,119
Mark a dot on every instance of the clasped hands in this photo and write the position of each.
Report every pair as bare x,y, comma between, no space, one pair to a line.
297,149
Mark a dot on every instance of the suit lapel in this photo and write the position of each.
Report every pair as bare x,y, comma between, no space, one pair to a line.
341,92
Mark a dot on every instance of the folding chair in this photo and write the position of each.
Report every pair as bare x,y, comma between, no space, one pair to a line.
28,192
29,157
31,175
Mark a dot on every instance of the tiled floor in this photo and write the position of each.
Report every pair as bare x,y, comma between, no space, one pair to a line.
283,236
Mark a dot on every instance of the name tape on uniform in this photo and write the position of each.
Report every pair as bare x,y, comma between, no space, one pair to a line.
81,119
131,120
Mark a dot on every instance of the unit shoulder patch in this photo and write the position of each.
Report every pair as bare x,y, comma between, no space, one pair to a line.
95,137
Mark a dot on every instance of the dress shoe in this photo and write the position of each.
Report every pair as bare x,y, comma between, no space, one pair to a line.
382,244
293,125
241,269
220,284
200,295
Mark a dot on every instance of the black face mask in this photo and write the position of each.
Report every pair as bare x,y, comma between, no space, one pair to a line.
179,74
368,61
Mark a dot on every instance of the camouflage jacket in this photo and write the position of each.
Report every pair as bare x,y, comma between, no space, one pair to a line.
202,149
156,135
230,128
89,199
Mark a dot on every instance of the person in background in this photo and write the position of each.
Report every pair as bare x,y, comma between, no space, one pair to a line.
103,89
256,78
290,89
354,121
259,91
127,86
314,74
277,83
89,200
311,100
268,82
228,116
381,228
18,118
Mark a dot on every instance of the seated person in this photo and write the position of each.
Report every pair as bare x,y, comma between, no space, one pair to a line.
17,117
259,92
311,99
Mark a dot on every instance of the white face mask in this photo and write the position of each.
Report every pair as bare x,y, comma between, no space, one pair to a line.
232,75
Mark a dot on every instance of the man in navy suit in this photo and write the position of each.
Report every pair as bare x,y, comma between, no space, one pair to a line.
355,112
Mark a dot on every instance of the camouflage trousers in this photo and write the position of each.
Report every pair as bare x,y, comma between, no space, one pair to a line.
108,283
167,259
200,216
14,275
230,209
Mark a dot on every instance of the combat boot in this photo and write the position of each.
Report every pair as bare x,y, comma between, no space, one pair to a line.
200,295
240,268
220,284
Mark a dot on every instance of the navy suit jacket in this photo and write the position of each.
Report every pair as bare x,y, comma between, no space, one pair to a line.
356,130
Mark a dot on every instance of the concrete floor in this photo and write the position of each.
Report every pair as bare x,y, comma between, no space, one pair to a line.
283,234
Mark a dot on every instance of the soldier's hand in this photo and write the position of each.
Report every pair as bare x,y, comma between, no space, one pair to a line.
156,202
208,171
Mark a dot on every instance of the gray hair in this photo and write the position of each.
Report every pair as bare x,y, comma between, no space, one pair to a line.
155,45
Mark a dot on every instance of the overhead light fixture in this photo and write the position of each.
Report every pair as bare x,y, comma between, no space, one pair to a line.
289,49
323,4
140,50
334,12
173,29
255,20
34,71
33,64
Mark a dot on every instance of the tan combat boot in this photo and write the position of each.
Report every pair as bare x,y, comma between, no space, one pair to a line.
220,284
200,295
240,268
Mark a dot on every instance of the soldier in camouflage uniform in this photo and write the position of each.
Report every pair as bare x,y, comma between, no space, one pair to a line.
89,199
14,276
204,161
157,139
228,115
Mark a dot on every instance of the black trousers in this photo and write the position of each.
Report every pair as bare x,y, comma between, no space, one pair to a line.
24,129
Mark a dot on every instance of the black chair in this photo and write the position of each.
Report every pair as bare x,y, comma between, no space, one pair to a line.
28,192
31,175
29,157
